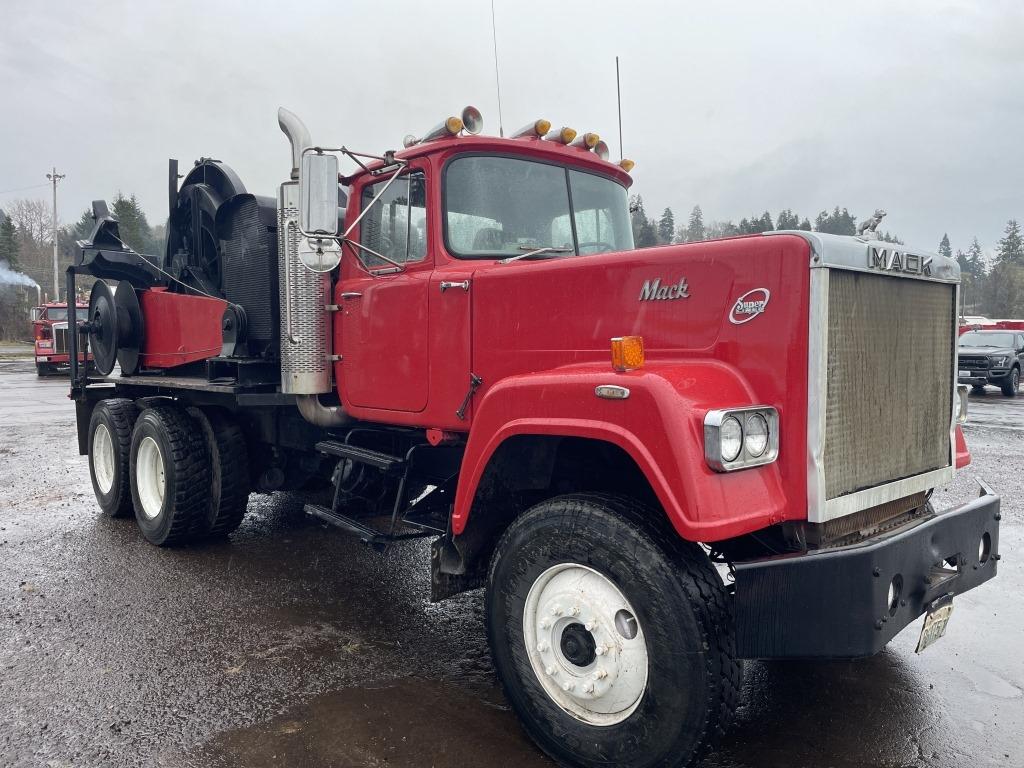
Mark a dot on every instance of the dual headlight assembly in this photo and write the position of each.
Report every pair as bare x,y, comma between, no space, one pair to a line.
738,438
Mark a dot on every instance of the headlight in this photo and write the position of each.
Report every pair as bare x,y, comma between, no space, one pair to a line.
730,438
999,361
755,435
737,438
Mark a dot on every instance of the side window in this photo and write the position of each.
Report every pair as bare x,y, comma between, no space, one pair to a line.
1020,341
395,225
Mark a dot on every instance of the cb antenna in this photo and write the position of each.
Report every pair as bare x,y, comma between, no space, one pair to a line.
497,79
618,96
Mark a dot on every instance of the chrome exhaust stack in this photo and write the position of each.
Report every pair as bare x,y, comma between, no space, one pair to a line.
306,367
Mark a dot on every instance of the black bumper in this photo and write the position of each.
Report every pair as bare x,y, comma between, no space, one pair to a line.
834,603
980,378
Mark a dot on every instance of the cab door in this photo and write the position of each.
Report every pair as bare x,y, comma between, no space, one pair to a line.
384,327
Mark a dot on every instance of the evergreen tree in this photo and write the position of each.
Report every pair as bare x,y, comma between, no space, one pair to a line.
788,220
961,259
9,242
132,224
887,237
666,227
975,259
645,232
83,227
766,222
695,228
945,249
717,229
1010,249
837,223
805,225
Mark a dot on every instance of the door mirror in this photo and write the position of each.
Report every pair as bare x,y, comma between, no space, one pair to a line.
318,194
37,312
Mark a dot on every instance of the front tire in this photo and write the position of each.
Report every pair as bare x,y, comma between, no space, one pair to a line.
611,636
170,478
110,443
1012,383
44,369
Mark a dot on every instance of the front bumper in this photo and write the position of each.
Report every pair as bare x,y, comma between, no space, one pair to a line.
980,378
834,603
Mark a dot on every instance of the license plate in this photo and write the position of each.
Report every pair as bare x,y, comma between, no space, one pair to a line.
934,627
965,374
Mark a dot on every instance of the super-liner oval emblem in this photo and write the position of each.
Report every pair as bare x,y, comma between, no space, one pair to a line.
749,305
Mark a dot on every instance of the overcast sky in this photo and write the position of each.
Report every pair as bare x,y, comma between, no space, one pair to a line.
915,107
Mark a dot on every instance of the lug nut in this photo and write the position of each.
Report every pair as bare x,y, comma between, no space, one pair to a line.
575,610
599,650
545,623
588,688
542,646
589,626
567,686
556,610
600,674
549,671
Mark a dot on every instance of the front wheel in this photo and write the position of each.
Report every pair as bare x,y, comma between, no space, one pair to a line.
611,636
1012,383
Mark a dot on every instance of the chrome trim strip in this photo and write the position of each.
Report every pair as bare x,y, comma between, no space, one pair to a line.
817,393
871,497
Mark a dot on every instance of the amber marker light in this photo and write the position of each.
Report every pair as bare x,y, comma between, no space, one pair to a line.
536,129
627,165
454,125
586,141
563,135
627,353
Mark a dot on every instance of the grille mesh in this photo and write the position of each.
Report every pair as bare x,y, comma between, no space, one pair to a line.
60,340
890,360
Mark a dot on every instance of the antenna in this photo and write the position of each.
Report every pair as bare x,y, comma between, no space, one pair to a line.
497,79
618,96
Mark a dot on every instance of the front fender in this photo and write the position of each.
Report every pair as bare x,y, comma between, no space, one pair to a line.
660,426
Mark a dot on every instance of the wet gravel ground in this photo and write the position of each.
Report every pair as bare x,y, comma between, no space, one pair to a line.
293,645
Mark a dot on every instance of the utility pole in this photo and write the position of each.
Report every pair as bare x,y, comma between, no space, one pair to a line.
55,177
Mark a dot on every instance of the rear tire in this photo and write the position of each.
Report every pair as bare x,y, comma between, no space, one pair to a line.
170,478
110,443
617,564
1012,383
44,369
229,473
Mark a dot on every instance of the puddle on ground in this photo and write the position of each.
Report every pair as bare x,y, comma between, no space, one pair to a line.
396,723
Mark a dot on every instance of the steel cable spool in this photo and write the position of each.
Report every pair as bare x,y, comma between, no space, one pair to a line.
115,327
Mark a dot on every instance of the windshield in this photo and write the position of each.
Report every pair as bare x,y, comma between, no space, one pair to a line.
986,339
498,207
55,313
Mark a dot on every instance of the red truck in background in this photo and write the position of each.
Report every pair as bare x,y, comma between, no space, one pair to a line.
50,331
656,461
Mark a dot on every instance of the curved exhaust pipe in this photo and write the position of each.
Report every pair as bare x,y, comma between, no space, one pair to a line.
297,134
320,415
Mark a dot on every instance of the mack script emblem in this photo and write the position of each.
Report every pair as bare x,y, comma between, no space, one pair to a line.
653,290
749,305
893,260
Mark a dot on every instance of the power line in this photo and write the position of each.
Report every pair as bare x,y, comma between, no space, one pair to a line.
22,189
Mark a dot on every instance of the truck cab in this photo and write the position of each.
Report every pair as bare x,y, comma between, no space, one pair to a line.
50,332
657,461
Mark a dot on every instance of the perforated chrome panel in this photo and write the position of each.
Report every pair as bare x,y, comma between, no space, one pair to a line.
889,388
305,343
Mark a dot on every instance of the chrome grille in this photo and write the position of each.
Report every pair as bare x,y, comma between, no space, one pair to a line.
889,387
60,339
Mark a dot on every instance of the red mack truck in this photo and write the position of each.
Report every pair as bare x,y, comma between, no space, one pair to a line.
657,462
50,331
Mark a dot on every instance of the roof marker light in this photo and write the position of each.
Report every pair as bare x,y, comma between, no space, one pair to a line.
586,141
627,165
533,130
563,135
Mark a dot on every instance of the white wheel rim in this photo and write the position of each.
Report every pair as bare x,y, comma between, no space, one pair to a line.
103,458
149,477
605,685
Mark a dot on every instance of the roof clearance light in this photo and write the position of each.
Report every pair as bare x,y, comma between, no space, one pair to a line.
627,165
601,150
586,141
627,353
563,135
534,130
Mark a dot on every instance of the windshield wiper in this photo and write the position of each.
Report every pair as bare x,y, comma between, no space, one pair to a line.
534,252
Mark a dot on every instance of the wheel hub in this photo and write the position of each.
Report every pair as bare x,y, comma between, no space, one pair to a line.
584,644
